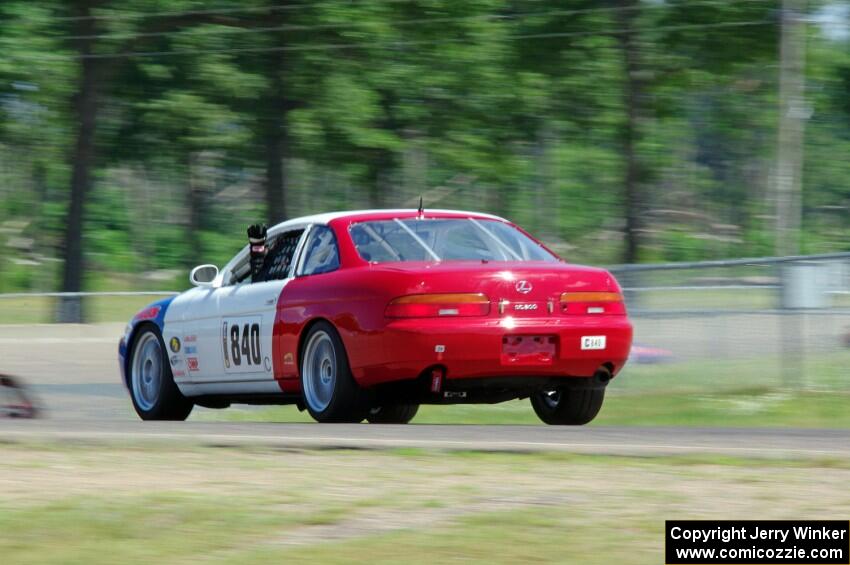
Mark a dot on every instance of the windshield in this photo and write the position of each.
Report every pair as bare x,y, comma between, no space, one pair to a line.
455,239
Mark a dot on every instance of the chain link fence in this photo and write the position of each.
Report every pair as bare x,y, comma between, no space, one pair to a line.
746,324
757,325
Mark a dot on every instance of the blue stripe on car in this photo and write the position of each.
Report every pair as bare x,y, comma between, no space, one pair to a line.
124,343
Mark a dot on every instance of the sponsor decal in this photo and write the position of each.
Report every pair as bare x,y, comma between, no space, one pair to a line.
192,362
439,350
174,344
190,338
523,287
176,361
224,345
191,349
178,374
593,342
288,359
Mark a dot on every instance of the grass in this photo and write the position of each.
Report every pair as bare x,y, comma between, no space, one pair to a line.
745,393
41,310
798,371
67,503
756,408
711,299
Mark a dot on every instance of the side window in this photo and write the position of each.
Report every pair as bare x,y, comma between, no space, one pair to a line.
239,272
321,254
279,257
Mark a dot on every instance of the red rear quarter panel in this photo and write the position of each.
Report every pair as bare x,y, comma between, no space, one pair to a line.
352,299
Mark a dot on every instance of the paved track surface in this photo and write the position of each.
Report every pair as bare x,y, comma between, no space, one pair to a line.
825,444
72,370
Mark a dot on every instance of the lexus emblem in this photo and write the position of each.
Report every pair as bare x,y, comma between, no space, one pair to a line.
523,287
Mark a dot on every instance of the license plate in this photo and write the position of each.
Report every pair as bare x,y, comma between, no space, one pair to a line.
529,349
592,342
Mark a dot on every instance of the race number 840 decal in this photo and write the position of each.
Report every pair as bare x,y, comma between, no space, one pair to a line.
241,345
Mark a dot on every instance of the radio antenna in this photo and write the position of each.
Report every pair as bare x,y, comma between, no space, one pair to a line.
421,212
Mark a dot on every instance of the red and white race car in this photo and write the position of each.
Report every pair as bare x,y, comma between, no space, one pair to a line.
370,314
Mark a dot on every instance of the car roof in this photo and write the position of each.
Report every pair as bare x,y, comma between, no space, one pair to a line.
377,214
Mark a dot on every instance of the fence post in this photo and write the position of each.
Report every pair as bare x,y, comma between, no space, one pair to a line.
628,280
69,309
799,290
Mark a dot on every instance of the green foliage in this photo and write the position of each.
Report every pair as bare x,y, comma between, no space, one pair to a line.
513,107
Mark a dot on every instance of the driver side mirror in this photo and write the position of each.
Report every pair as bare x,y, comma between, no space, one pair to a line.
203,275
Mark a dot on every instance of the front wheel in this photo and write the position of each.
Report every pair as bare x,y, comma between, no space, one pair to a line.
152,388
330,391
568,406
393,414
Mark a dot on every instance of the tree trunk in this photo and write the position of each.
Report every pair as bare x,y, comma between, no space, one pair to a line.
275,135
381,162
85,104
632,97
195,203
276,146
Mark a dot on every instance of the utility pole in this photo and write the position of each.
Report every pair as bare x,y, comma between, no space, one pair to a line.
632,99
793,112
789,166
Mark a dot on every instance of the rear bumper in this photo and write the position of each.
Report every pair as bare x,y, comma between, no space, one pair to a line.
473,348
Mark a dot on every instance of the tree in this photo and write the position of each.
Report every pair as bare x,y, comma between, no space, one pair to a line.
100,58
85,103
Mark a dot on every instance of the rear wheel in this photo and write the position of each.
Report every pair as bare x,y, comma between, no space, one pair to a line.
568,406
393,414
152,388
330,391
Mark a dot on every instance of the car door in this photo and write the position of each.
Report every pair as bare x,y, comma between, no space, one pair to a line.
247,315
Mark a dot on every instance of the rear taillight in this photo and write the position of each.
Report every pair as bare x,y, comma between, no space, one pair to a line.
438,306
592,303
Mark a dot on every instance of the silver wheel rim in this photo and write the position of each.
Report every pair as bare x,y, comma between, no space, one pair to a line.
552,398
146,374
319,371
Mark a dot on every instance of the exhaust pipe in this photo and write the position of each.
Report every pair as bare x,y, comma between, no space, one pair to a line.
603,375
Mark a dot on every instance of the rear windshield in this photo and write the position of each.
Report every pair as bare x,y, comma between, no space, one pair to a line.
455,239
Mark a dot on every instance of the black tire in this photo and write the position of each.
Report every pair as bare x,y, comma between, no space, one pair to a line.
329,390
393,414
154,398
568,406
